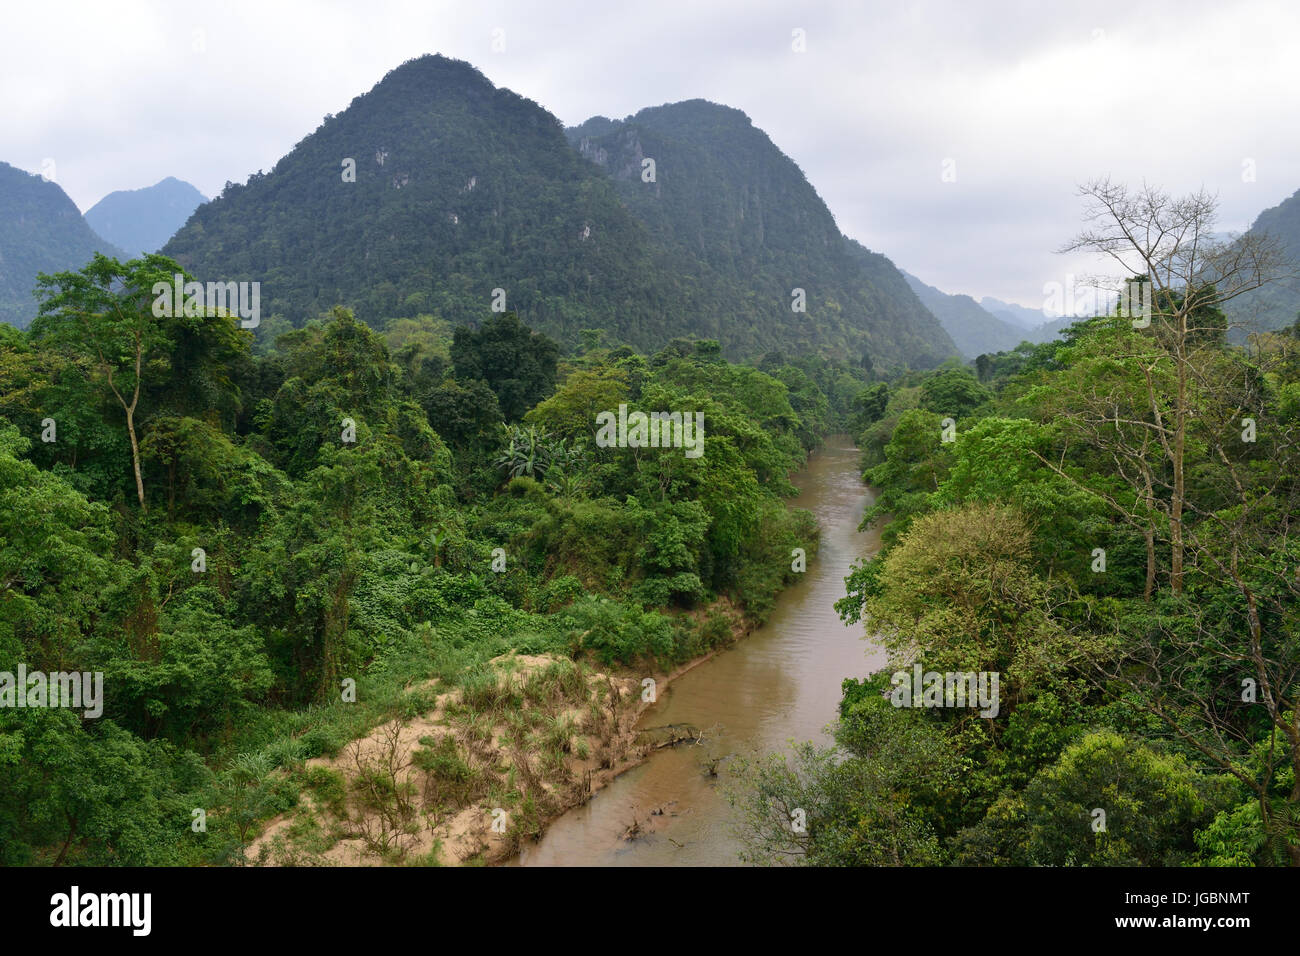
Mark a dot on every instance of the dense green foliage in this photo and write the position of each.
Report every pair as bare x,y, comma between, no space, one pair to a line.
326,509
1143,628
515,362
462,189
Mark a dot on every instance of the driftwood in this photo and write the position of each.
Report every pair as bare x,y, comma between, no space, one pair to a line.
655,738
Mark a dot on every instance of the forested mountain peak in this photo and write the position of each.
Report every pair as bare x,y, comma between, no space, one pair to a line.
41,230
436,189
729,173
422,197
714,186
1275,305
142,220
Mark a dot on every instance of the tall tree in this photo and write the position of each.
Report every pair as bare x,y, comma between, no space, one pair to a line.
103,317
1170,242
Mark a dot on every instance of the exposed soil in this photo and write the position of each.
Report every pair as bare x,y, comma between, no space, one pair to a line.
469,783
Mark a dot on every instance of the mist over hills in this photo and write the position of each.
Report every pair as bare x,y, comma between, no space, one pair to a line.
142,220
41,230
681,220
462,188
1037,327
973,328
1010,312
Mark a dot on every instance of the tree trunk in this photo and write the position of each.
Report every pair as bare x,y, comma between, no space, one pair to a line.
135,456
1151,564
63,851
1180,438
1149,535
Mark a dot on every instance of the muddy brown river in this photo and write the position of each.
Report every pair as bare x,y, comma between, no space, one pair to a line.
781,683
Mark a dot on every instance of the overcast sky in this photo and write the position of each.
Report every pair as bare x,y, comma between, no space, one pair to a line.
1025,99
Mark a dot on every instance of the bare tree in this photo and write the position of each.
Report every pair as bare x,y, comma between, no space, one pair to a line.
1171,243
382,790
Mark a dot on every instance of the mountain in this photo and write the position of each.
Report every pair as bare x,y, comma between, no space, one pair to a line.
457,188
973,329
462,188
1010,312
41,230
1051,329
1036,328
142,220
726,198
1275,305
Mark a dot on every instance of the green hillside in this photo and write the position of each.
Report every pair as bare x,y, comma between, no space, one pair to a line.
462,188
41,230
1275,305
727,197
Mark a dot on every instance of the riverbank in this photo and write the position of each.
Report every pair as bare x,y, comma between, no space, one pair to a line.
781,682
485,774
410,772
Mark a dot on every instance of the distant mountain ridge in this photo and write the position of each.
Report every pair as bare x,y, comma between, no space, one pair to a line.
1010,312
462,188
974,329
1275,305
141,221
1038,328
41,230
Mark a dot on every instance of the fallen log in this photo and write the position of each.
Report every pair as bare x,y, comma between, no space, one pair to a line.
655,738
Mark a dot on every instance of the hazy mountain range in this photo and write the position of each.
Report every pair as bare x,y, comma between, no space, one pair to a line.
974,329
1275,305
438,193
1012,313
142,220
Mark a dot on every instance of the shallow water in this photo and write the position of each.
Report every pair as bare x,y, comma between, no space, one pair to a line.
780,683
